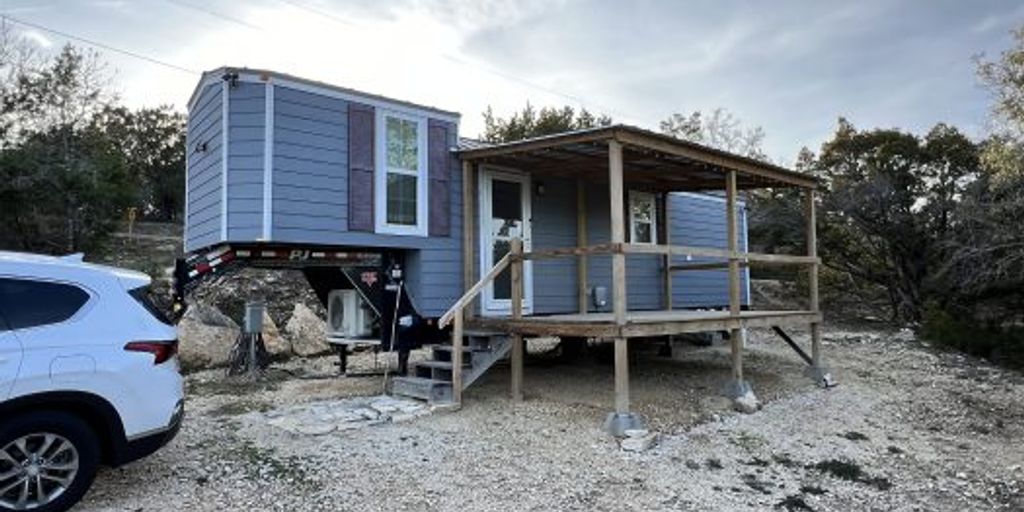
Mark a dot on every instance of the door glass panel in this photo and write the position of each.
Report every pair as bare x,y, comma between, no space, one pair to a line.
503,282
507,200
506,224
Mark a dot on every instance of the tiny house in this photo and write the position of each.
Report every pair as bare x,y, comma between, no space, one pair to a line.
275,159
613,233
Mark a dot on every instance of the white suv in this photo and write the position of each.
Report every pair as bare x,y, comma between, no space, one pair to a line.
88,376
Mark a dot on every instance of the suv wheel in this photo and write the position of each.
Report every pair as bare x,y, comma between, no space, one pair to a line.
47,461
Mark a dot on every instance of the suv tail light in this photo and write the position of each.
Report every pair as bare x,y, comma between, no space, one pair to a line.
161,350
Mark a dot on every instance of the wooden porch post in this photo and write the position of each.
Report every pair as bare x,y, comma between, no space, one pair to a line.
516,248
621,419
666,260
468,225
457,333
734,276
582,260
618,230
810,218
581,241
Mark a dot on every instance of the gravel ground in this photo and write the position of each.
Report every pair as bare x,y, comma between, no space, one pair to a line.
908,428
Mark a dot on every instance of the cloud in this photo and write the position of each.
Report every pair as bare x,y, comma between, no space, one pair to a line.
37,37
788,66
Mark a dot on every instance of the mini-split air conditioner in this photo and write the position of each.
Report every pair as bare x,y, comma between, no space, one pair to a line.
347,317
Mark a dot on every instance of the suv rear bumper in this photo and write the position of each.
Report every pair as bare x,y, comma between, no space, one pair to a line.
140,447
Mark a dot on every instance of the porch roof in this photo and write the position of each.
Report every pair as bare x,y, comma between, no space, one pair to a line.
650,160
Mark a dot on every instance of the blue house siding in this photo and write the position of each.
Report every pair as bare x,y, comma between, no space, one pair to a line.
643,272
554,226
694,221
203,208
310,168
246,119
698,220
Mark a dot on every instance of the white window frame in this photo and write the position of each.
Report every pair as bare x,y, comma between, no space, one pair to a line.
381,181
636,196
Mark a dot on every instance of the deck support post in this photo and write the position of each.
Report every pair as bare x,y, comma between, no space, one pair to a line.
468,225
581,242
618,422
622,419
516,269
817,371
737,386
457,334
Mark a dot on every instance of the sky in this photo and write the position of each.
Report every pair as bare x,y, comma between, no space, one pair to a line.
790,67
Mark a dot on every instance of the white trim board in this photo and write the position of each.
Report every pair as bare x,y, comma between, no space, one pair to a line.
488,305
268,161
380,206
225,96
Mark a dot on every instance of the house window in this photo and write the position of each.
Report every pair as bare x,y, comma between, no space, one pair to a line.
642,218
401,197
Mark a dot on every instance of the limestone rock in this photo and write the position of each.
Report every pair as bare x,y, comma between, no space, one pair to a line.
638,443
277,345
306,331
205,336
746,403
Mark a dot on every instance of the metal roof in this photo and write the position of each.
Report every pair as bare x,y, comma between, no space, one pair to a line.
657,160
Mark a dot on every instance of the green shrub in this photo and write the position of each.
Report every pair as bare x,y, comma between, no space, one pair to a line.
1000,344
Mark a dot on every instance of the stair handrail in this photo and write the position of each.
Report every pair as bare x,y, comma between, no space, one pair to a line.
473,291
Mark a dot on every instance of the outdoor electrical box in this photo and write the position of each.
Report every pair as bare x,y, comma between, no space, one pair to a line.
253,317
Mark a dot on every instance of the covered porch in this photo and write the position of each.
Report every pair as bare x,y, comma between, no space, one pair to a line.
620,159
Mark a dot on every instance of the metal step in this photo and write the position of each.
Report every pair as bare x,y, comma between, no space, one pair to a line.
433,380
433,391
465,348
440,365
483,333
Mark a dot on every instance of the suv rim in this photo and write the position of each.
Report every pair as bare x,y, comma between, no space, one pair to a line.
36,469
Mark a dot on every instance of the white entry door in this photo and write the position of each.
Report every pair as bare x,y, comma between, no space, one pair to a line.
504,215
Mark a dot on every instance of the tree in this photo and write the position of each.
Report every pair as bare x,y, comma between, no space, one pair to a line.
986,254
887,207
530,122
152,143
62,180
720,130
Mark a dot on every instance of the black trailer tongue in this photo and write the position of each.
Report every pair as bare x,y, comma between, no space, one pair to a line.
378,277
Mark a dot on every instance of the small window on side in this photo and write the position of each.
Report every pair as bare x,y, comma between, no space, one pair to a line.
26,303
643,218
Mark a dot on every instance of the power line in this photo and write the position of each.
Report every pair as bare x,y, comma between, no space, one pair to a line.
98,44
226,17
318,12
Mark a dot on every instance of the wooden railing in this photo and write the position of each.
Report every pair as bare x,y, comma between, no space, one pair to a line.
456,316
516,257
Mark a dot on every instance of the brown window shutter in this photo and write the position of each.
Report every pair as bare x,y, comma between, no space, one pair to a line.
361,122
439,158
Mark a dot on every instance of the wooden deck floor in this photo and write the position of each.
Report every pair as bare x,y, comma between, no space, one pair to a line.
642,323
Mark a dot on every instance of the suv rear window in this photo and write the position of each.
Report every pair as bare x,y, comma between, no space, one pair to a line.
143,296
26,303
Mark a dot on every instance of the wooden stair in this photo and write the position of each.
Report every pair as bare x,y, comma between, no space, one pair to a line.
431,380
